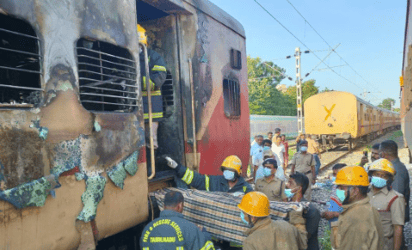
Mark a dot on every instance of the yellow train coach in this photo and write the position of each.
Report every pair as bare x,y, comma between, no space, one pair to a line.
339,118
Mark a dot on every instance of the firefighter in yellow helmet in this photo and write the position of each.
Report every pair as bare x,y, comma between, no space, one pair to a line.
157,72
263,233
359,225
389,203
231,181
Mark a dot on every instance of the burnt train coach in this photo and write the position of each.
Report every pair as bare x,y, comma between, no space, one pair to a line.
337,118
73,168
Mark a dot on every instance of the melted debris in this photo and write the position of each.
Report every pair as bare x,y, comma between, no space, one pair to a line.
68,156
32,193
117,173
91,197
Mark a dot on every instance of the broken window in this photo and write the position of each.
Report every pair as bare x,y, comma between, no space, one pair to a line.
107,77
236,59
167,94
231,96
19,64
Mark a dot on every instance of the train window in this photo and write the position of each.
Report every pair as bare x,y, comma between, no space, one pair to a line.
20,64
107,77
231,96
235,59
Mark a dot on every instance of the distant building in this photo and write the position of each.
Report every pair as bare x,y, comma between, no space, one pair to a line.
282,88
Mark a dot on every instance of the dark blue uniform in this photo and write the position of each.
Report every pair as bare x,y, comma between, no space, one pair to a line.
172,232
213,183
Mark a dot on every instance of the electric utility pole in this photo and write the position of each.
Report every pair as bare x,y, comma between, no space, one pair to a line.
299,91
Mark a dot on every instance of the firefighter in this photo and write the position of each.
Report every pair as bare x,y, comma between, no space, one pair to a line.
157,71
270,185
230,182
171,231
389,203
263,233
359,225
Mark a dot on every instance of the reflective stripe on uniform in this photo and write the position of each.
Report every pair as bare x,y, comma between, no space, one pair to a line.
244,189
188,177
152,93
208,245
152,84
180,248
159,68
145,248
207,180
154,115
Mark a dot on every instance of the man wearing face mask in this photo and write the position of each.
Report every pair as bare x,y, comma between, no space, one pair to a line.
230,182
304,163
267,154
389,203
359,225
270,185
265,234
335,205
296,187
389,150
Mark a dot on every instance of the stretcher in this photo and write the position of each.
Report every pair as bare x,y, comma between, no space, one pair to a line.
218,211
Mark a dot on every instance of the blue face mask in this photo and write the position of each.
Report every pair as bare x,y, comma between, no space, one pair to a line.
267,172
229,175
378,182
333,179
341,194
289,193
303,148
266,148
242,216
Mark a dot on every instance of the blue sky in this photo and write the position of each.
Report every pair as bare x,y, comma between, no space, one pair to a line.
370,33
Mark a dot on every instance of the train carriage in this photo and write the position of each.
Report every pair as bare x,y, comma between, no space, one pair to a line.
71,112
337,118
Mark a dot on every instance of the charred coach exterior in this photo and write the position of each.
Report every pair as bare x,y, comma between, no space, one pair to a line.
338,118
73,168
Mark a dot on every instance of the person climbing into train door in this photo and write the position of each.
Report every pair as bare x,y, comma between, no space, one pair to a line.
270,185
263,232
359,225
296,187
389,203
158,73
171,231
305,164
231,181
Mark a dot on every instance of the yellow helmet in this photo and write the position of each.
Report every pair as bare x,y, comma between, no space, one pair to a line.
352,176
142,34
382,165
232,162
255,204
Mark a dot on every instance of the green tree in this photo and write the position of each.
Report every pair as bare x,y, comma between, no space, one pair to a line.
308,89
264,98
387,103
325,90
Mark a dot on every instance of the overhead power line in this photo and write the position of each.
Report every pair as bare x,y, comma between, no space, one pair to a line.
369,84
270,14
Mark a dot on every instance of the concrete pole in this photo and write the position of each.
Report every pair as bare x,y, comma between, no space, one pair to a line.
299,91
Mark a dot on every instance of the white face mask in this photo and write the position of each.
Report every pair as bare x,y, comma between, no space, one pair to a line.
229,175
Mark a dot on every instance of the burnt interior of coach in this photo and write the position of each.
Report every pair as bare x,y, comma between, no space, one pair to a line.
161,33
20,64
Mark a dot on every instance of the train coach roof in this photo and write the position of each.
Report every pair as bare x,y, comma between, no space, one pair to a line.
217,14
359,100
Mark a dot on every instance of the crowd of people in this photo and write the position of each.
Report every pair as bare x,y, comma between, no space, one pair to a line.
368,204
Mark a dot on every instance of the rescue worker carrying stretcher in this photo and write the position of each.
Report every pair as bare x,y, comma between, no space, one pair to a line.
389,203
171,231
265,234
359,225
230,182
157,71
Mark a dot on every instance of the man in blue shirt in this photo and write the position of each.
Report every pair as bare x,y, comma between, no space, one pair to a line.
171,231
